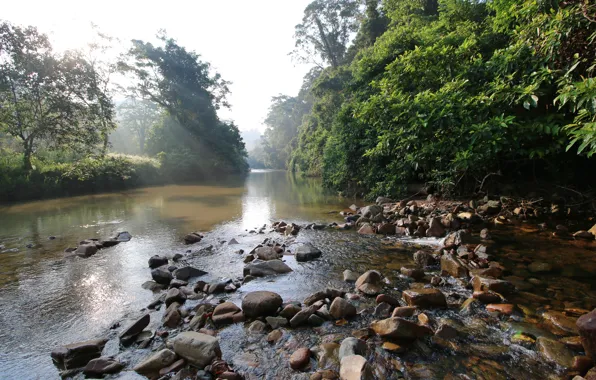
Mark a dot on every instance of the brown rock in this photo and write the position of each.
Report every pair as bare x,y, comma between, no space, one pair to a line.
451,265
174,367
261,304
102,366
484,283
387,299
274,336
369,283
502,308
586,325
342,309
486,297
563,324
300,359
77,354
415,273
366,229
403,311
399,328
424,298
555,352
386,229
226,313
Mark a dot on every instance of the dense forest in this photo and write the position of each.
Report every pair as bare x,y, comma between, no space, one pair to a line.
453,94
61,119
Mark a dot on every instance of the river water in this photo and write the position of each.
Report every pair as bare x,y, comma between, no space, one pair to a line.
48,300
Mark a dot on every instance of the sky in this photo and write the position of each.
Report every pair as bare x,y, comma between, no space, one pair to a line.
247,42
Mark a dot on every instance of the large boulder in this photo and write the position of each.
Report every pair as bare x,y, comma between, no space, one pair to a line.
424,298
260,268
399,328
342,309
197,348
162,275
261,304
135,328
267,253
355,367
157,261
188,272
155,362
226,313
77,355
586,324
369,283
307,252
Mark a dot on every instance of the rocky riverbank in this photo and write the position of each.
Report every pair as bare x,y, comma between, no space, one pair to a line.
457,300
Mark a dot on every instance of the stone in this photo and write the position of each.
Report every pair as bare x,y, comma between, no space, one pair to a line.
540,267
386,229
320,295
157,261
435,228
102,366
261,304
227,313
352,346
123,236
260,268
383,200
233,242
188,272
302,316
193,238
342,309
423,259
485,234
257,327
487,297
366,229
307,252
413,272
173,368
399,328
276,322
586,325
424,298
289,311
155,362
172,317
135,328
385,298
355,367
371,211
300,358
153,286
369,283
403,311
453,266
393,347
174,295
490,207
555,352
457,238
350,276
267,253
86,250
501,308
481,283
274,336
383,310
76,355
315,321
162,276
446,331
566,325
197,348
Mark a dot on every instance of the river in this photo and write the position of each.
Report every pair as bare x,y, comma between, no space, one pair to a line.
47,300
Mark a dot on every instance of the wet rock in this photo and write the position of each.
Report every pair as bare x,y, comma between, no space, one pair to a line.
554,352
342,309
355,367
324,374
423,259
399,328
501,308
174,295
366,229
586,325
123,236
540,267
307,252
320,295
102,366
413,272
77,355
175,283
197,348
233,242
369,283
352,346
302,316
457,238
583,235
257,327
424,298
162,276
300,359
267,253
315,321
350,276
188,272
226,313
490,208
289,311
386,229
383,310
172,317
435,228
451,265
261,304
276,322
217,287
155,362
487,297
153,286
371,211
274,336
259,268
485,234
86,250
499,286
157,261
403,311
173,368
135,328
193,238
446,331
566,325
387,299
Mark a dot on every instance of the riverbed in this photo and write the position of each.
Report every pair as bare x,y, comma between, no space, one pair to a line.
47,300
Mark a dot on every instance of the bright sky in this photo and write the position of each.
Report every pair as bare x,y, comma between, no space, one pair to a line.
246,41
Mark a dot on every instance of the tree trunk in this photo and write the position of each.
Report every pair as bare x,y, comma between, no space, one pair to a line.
104,149
27,156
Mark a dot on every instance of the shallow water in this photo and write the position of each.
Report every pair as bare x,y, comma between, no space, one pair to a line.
47,300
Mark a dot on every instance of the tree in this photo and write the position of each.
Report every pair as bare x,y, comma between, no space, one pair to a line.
325,31
46,97
139,115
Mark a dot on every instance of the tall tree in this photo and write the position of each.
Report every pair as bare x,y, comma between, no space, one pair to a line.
326,28
46,97
139,115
